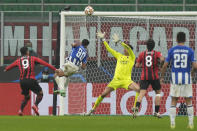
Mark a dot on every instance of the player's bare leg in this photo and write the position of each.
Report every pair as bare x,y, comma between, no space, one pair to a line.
157,104
134,86
23,104
173,112
99,100
190,112
38,100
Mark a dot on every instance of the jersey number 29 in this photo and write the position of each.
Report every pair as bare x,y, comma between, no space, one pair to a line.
180,60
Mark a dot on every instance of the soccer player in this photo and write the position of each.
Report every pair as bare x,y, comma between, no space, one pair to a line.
180,57
26,66
149,61
76,59
122,76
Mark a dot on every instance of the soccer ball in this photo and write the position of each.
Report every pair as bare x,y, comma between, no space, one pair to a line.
89,10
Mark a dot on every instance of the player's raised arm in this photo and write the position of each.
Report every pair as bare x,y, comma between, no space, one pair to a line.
44,63
14,64
109,49
127,47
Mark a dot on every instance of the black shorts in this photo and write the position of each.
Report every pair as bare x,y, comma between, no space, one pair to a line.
154,83
29,84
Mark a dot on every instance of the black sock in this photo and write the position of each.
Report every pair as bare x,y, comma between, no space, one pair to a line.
138,104
157,108
38,99
24,102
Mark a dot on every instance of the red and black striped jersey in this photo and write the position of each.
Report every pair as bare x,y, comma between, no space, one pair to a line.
150,66
26,66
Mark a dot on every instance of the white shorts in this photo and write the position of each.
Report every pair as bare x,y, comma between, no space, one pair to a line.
181,90
69,68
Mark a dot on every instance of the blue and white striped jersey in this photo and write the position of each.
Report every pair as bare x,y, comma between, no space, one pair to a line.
78,55
181,57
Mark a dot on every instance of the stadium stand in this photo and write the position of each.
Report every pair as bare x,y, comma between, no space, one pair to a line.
55,5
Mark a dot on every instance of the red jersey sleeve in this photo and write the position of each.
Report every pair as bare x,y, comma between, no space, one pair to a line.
159,54
14,64
38,60
139,60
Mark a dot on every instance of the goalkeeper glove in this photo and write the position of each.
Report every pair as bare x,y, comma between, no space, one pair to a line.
116,38
101,35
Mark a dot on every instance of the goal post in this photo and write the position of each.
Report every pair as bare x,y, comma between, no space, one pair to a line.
133,28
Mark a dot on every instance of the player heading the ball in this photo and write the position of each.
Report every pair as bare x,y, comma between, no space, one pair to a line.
181,58
76,59
122,75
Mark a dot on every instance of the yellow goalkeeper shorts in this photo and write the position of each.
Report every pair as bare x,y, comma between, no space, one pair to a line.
115,84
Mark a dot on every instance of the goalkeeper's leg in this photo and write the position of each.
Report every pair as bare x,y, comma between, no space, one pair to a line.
99,99
134,86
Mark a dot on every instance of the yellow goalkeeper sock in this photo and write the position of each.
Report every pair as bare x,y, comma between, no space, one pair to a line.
98,101
136,96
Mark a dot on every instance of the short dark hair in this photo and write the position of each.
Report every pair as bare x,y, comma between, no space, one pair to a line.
24,50
85,42
130,46
150,44
181,37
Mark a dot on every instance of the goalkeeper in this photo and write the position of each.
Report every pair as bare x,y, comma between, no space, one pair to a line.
122,76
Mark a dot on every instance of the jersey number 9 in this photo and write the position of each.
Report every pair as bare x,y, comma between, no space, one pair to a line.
25,63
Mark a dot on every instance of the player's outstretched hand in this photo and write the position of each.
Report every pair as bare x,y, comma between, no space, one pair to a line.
115,38
100,34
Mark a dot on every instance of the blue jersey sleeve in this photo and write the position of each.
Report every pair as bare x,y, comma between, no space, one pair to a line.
85,59
192,56
169,57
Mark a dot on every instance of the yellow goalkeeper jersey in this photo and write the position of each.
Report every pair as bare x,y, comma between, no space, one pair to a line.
124,63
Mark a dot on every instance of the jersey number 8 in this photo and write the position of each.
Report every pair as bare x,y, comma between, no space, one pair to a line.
148,61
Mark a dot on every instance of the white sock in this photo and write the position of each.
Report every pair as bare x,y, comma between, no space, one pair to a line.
57,79
172,114
66,80
190,111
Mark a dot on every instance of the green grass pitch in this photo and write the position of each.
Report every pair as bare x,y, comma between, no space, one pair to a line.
90,123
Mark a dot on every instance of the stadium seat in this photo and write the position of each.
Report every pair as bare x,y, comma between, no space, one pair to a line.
191,8
8,1
120,1
37,1
24,1
160,1
191,1
102,1
54,1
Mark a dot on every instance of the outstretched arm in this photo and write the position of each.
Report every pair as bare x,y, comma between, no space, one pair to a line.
14,64
130,51
44,63
109,49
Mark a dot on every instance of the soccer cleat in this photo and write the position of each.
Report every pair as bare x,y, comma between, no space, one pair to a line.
91,112
35,108
61,92
172,125
135,111
157,115
190,126
20,113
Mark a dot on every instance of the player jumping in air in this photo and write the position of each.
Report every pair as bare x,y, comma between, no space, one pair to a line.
77,58
149,61
180,57
122,76
26,66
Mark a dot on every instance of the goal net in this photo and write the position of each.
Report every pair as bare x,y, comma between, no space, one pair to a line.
133,28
